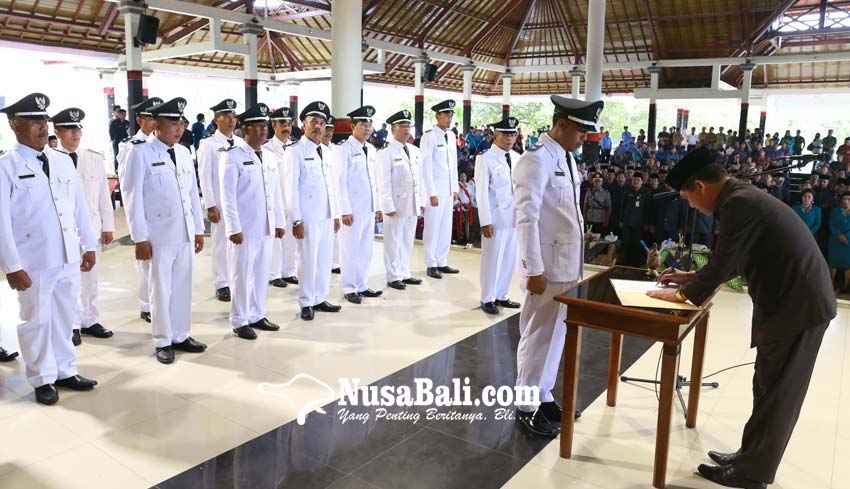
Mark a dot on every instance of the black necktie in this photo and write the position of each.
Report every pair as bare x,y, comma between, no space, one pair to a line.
365,151
230,142
73,158
319,150
446,135
406,151
259,155
172,155
44,166
508,157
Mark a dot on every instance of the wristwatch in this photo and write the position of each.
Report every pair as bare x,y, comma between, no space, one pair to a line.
296,223
681,296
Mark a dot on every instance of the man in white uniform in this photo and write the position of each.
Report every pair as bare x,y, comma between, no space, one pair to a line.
354,162
550,231
495,196
438,151
164,215
146,124
327,137
311,207
401,198
209,153
91,169
44,225
284,250
253,216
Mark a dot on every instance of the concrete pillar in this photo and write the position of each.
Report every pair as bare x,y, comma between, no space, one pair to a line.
346,63
576,76
595,45
293,85
506,94
654,71
715,77
419,100
249,34
131,11
107,77
467,96
748,68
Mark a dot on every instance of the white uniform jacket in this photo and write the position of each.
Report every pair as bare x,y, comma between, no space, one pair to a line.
92,173
549,221
250,193
162,198
494,191
309,181
400,180
357,180
209,152
44,222
439,163
124,150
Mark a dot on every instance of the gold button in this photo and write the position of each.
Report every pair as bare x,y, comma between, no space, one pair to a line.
65,229
60,214
55,199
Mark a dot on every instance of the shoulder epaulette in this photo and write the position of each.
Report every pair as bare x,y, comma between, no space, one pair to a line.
429,130
138,141
227,149
126,139
535,147
94,152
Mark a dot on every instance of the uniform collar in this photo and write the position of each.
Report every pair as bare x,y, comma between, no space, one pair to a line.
27,151
552,146
439,131
66,150
280,142
157,144
221,137
306,140
141,135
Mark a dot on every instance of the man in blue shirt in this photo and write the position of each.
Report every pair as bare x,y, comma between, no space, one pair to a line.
626,136
606,147
381,136
198,131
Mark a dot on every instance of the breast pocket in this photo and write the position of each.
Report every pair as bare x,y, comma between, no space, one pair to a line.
500,177
562,254
560,186
161,175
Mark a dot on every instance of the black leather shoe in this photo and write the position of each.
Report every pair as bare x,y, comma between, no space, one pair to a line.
278,282
189,345
397,284
6,356
223,294
291,280
327,307
536,424
722,458
552,411
725,476
46,394
336,270
448,269
76,383
412,281
354,298
96,330
307,313
433,272
165,355
265,325
245,332
371,293
489,307
508,303
146,316
75,337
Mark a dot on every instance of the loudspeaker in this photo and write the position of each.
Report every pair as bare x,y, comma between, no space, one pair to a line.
429,73
590,152
148,29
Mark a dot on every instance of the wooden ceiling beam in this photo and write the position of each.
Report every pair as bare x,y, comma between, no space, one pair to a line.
519,31
108,19
370,10
184,30
444,10
55,21
287,53
562,16
655,46
488,28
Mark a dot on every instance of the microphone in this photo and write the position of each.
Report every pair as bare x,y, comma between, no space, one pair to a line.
665,195
801,157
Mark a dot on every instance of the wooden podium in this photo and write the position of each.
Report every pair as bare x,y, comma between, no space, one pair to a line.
592,303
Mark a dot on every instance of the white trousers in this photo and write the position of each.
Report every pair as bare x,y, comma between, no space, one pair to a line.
498,259
171,293
219,255
47,314
541,342
87,313
355,243
399,233
314,269
336,251
143,270
249,267
284,256
437,235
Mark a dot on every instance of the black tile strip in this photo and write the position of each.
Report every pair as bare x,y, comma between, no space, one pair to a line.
411,453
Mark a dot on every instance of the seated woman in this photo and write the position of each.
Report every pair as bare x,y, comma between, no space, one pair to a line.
808,212
839,244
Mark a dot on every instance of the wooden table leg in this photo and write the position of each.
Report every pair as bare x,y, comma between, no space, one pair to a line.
665,412
696,371
614,356
572,354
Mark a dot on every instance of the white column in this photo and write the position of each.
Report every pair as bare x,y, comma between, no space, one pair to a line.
419,91
346,58
292,84
715,77
131,11
249,34
595,47
748,82
467,96
506,94
575,73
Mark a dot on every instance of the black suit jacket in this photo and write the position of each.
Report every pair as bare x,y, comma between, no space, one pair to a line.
763,240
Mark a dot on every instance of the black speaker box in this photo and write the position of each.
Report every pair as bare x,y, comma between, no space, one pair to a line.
148,29
429,73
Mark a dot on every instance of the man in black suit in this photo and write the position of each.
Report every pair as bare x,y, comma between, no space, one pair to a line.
118,131
763,240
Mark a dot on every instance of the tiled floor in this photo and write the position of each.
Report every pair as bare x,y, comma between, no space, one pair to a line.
202,422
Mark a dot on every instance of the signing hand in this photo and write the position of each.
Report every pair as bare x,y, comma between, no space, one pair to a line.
668,295
144,250
19,280
672,276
